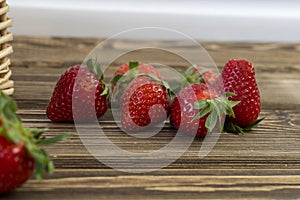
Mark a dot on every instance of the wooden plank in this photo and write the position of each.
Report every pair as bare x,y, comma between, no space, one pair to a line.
155,187
68,50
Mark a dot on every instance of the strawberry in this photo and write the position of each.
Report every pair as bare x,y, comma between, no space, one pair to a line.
16,165
142,95
238,76
127,70
145,102
199,74
20,148
90,90
198,110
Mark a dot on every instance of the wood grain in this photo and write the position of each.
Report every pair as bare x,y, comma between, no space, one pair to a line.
262,164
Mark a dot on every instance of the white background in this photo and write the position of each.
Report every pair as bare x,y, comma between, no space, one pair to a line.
210,20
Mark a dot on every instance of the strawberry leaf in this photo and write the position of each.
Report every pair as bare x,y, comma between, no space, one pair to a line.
200,104
133,64
216,109
193,75
95,67
231,104
235,129
229,94
253,125
203,113
211,121
36,132
105,90
125,79
47,141
116,78
232,128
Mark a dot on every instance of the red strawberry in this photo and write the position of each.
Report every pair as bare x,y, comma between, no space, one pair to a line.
126,68
16,165
238,76
90,90
145,102
20,150
199,74
196,109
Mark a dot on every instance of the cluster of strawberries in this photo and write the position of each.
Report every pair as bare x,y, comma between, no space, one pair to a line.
145,99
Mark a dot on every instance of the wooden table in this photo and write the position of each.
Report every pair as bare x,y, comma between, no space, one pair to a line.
262,164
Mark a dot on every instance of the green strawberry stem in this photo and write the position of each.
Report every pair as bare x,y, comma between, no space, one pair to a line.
215,109
12,129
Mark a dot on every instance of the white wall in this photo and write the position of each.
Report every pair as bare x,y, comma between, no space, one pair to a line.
212,20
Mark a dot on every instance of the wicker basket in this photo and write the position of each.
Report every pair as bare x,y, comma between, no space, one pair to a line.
6,85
